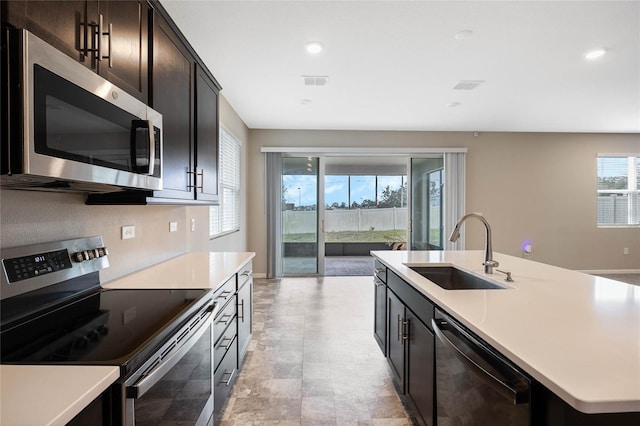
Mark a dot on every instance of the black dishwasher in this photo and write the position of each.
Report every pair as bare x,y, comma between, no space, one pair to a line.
476,386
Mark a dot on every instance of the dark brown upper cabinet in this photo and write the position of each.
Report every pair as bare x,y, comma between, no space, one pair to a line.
186,95
109,37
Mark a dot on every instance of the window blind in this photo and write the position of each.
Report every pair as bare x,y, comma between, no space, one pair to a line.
618,190
225,217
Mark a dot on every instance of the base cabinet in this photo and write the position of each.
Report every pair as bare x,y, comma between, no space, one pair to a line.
245,312
411,350
420,377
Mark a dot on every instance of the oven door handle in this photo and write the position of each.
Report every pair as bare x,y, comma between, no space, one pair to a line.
163,366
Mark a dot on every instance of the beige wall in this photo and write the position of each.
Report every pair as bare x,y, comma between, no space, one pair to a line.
537,186
32,217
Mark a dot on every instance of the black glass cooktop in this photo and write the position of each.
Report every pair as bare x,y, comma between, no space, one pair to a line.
109,327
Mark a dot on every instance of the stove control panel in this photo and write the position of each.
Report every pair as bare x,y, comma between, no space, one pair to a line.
37,266
25,267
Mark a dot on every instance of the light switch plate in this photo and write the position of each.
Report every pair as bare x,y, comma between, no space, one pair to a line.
173,226
128,232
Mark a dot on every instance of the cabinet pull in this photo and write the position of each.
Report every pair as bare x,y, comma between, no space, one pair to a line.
241,310
377,282
189,185
201,174
230,339
223,295
246,273
405,330
228,381
101,33
226,319
399,327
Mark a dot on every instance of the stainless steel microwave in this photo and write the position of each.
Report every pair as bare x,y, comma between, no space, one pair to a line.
67,128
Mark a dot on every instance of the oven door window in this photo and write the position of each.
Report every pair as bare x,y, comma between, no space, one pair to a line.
184,394
74,124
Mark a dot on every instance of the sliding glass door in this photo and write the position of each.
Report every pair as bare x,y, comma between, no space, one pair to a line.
427,225
302,239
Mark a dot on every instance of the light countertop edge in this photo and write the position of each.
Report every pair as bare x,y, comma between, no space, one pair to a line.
193,270
50,394
577,334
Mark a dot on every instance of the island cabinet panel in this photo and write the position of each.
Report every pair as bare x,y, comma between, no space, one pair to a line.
108,37
411,346
380,306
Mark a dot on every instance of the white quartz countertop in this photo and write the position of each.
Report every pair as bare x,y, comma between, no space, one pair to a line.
53,395
49,395
193,270
577,334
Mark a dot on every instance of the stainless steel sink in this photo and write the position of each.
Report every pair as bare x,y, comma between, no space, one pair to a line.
451,278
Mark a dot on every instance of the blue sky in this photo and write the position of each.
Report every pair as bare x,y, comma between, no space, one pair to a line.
336,188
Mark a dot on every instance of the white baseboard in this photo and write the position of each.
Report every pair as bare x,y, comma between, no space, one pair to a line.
611,271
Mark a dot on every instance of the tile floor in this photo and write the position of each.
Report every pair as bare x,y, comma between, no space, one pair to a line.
313,359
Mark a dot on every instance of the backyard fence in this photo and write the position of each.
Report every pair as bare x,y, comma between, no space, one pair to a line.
303,222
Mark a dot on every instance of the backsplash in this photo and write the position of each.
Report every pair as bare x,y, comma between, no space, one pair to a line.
33,217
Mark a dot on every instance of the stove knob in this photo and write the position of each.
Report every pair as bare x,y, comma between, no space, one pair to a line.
79,256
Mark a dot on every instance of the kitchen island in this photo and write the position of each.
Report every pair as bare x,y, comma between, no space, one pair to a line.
578,335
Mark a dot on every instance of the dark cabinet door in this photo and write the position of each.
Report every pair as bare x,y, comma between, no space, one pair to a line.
420,379
206,138
72,26
127,44
245,305
396,320
380,314
63,24
172,94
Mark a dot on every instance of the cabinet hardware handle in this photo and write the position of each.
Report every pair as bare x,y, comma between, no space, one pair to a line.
378,270
230,339
228,381
226,319
399,327
224,294
109,56
377,282
201,174
242,310
405,330
189,185
246,273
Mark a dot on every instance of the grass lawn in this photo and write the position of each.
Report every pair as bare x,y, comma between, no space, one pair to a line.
349,237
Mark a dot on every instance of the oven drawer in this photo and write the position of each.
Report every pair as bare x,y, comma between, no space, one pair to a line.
224,343
224,319
224,377
225,292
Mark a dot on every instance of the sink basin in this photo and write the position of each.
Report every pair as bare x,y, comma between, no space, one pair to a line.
451,278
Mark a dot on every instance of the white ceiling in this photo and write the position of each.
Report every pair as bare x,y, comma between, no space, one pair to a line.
392,65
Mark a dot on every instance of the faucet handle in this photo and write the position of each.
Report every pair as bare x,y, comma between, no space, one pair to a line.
491,263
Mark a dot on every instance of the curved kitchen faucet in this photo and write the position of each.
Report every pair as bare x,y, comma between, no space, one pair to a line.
489,263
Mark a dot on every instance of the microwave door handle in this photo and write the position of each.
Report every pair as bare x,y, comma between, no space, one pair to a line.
152,147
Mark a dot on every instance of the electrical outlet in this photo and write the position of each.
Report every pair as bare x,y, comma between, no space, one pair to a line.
173,226
193,225
128,232
625,250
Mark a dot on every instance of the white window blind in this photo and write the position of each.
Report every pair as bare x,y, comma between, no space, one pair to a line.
618,190
225,217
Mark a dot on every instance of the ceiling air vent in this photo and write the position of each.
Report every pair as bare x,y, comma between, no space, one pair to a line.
467,84
315,80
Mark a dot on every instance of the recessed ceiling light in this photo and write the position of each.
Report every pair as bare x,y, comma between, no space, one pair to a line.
595,54
453,104
314,47
306,102
461,35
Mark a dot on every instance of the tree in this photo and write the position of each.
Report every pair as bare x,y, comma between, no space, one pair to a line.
393,197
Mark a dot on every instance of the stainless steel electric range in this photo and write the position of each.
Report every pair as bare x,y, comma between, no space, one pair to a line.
54,311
